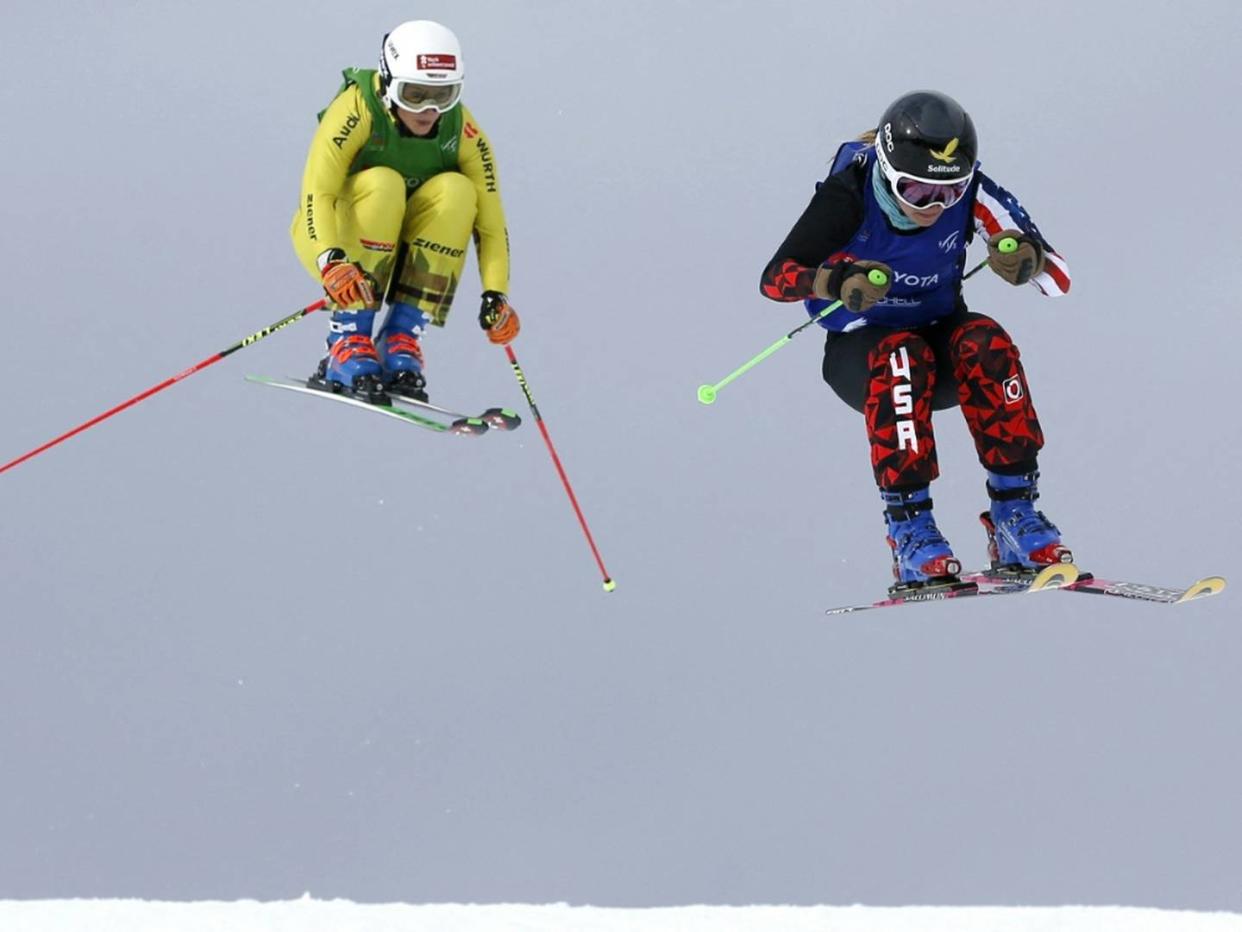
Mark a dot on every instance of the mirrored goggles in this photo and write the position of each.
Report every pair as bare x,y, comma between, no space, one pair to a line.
416,98
921,194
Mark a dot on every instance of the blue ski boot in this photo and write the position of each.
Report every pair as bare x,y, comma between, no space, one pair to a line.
1020,539
351,366
400,353
921,555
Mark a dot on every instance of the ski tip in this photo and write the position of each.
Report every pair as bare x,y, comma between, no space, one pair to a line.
1208,585
469,427
1055,576
609,585
502,418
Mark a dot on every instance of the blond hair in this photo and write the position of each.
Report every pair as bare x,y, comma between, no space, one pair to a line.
867,136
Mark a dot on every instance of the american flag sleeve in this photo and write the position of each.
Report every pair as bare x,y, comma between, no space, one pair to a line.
996,209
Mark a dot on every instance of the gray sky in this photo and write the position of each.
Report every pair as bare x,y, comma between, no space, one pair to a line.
256,645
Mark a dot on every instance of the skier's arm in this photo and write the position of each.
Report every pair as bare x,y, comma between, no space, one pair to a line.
477,162
996,210
342,132
827,224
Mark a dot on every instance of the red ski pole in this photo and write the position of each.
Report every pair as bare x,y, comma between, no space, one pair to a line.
609,585
253,338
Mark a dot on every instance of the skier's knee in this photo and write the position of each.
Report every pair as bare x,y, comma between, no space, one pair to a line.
980,335
385,183
903,358
449,190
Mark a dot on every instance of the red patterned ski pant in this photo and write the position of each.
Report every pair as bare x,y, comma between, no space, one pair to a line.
897,378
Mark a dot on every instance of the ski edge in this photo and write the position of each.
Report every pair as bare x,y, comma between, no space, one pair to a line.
1055,576
498,418
478,427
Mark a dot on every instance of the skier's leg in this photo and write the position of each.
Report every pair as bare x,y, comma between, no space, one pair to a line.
898,410
368,214
992,390
891,378
901,372
435,233
997,406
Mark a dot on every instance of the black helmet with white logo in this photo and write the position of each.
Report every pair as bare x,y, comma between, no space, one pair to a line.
926,135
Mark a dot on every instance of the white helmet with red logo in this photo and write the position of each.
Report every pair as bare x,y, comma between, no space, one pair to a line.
421,67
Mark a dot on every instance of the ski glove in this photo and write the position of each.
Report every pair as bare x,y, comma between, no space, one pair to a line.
1017,266
851,283
498,318
345,282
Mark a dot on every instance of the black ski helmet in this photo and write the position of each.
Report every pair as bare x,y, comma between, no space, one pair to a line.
928,135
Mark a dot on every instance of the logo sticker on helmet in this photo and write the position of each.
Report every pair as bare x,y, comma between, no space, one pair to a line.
946,155
437,62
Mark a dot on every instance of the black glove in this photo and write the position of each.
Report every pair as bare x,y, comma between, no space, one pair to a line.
1020,265
851,283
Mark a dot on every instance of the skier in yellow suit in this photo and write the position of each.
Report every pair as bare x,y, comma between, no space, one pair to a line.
398,180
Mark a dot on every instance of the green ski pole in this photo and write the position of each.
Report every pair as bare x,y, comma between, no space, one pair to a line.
707,393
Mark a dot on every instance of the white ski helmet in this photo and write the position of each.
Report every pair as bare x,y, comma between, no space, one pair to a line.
421,67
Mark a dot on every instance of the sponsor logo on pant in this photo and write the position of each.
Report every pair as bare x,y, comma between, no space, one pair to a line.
430,246
1013,389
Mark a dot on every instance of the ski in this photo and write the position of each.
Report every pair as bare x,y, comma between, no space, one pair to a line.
1088,582
1199,589
460,426
495,418
969,585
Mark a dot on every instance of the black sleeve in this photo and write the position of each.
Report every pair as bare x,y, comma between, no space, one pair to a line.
828,223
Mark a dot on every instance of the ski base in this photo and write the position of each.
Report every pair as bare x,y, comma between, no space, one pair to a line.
495,418
980,583
461,425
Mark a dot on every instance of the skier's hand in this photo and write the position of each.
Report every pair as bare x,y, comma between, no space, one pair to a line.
498,318
345,282
857,285
1016,265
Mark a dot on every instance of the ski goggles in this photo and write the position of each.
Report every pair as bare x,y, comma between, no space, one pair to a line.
921,194
415,97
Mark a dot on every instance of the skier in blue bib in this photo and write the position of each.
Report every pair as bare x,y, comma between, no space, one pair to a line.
906,199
